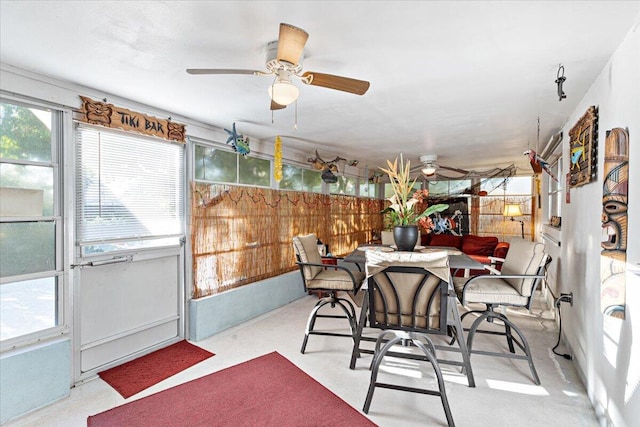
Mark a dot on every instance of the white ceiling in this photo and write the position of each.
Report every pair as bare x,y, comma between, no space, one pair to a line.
464,80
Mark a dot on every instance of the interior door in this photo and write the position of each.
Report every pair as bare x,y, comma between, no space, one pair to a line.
127,305
128,269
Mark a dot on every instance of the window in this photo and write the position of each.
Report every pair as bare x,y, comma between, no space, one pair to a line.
253,171
291,178
368,189
130,191
447,189
300,179
516,190
388,189
555,190
344,185
312,181
215,165
31,270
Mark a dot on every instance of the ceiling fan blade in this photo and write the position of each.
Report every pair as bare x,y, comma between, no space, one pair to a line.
276,106
221,71
291,43
449,168
345,84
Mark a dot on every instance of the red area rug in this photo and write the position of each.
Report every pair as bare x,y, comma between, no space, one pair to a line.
266,391
134,376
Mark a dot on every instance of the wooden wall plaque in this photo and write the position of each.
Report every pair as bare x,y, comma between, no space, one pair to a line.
108,115
583,149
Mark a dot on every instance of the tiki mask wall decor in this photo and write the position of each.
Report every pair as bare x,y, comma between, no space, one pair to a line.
615,193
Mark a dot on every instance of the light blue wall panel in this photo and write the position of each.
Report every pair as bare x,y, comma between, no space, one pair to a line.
34,377
210,315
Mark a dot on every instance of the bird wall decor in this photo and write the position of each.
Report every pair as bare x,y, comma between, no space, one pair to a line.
329,168
320,164
538,163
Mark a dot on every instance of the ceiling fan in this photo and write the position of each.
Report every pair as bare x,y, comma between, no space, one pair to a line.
429,165
430,168
284,61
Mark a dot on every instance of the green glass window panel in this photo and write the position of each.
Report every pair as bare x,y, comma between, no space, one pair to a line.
291,178
517,185
253,171
493,186
438,188
388,189
212,164
26,190
367,189
28,307
344,185
25,133
27,247
457,187
312,181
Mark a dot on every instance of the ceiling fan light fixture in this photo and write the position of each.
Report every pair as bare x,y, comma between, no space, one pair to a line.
283,92
428,161
429,169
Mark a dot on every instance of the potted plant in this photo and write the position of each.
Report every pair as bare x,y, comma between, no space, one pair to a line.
402,211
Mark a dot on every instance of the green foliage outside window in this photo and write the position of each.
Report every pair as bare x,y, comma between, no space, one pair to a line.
24,136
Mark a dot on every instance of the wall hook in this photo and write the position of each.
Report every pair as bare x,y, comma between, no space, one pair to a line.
559,81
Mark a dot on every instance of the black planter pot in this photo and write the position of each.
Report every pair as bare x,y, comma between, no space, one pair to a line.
406,237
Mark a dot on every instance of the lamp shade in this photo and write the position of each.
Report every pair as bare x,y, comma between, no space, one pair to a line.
512,210
283,92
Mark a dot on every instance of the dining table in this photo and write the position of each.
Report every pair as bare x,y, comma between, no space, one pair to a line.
458,260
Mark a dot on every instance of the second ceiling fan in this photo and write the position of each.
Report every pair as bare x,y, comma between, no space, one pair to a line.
283,60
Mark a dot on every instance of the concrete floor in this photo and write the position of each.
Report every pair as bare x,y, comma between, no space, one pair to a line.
504,394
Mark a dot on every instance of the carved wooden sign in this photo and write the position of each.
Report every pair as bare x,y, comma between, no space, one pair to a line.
583,146
108,115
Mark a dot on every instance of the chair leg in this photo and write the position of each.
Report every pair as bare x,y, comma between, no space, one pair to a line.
352,316
429,351
507,330
489,316
525,347
355,353
436,367
334,301
377,359
311,321
459,336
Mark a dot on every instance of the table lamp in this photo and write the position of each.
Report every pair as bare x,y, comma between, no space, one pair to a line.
513,209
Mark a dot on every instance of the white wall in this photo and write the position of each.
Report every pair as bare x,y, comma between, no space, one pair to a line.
606,350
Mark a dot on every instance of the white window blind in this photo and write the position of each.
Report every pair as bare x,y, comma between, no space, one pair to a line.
128,188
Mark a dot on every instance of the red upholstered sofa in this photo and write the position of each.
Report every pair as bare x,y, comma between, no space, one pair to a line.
479,248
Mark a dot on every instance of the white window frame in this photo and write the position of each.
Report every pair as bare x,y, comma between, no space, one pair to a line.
60,129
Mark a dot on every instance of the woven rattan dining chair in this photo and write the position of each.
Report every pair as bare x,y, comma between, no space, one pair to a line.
330,280
513,286
409,297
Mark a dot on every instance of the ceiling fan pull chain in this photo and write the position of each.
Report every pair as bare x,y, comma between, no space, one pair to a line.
295,125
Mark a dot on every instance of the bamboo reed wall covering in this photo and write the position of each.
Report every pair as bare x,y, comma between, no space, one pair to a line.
240,235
